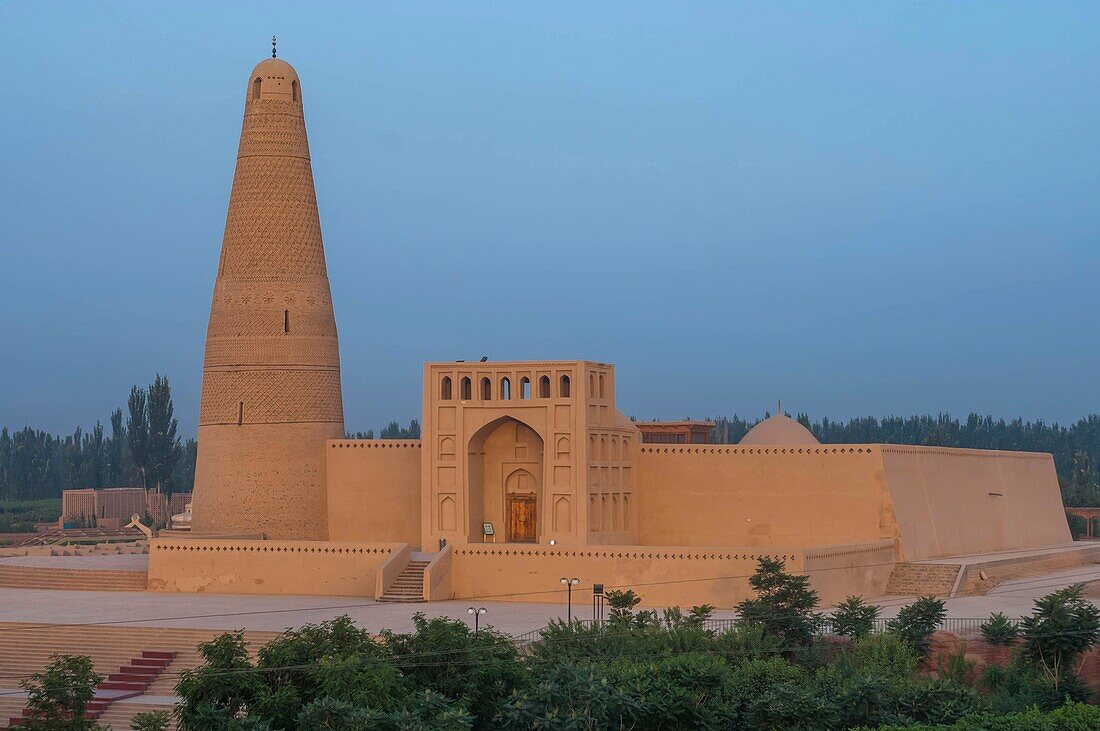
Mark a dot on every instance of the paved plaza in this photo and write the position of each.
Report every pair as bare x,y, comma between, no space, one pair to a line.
275,613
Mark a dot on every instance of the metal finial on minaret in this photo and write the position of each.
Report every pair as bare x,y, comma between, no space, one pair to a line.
779,406
273,46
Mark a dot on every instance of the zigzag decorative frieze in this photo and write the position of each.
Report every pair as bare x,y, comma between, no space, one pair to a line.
287,351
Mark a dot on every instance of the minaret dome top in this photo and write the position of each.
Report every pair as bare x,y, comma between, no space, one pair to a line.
275,79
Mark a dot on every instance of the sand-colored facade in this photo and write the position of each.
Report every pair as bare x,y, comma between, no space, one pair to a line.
525,470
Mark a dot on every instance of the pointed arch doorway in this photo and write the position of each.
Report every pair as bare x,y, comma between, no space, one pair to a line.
505,460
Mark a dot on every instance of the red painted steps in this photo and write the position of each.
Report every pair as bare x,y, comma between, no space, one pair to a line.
130,680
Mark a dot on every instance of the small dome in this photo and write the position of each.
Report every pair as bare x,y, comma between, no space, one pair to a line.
274,78
779,429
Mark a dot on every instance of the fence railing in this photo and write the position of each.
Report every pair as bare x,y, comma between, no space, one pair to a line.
955,625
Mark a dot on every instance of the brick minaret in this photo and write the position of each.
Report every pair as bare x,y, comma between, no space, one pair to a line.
271,377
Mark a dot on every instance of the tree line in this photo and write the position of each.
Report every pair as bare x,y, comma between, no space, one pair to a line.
139,448
142,447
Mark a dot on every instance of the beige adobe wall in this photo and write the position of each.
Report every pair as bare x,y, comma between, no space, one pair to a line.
266,567
661,575
716,495
863,569
374,490
952,502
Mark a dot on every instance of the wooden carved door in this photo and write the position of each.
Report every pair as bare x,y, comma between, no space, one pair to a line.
521,518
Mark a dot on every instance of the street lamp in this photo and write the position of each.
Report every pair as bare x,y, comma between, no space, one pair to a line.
477,615
569,584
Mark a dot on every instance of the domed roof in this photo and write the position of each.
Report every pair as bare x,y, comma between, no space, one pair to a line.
274,78
779,429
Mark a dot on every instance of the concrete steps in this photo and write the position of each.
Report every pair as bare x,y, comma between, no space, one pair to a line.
408,586
130,681
34,577
923,579
133,660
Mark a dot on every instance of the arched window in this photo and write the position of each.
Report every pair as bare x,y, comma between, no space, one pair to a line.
445,388
601,385
563,387
294,91
486,389
466,391
240,413
286,321
592,385
506,388
256,88
544,387
525,387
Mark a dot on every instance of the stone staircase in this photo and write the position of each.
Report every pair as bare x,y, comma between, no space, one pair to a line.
131,680
124,654
923,579
409,586
36,577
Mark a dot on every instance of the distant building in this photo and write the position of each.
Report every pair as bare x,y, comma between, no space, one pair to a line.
112,507
675,432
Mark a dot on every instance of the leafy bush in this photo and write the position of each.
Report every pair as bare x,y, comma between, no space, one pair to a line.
150,721
621,603
569,696
475,671
916,622
854,618
784,604
1070,717
884,656
58,696
999,630
1063,626
954,666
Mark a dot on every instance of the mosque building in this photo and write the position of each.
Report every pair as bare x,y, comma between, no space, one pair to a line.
526,471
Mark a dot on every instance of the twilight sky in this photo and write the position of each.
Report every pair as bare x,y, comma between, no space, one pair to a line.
864,209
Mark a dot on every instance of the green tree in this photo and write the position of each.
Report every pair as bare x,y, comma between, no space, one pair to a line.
163,445
58,697
999,630
137,432
784,604
1063,626
916,622
854,618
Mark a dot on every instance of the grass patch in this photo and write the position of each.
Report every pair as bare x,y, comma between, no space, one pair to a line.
19,516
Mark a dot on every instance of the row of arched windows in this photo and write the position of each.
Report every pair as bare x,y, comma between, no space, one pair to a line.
485,388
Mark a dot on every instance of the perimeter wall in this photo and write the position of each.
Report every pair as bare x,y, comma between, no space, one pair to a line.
320,568
373,490
719,495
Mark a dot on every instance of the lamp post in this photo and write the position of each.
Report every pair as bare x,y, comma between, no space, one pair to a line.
477,615
569,584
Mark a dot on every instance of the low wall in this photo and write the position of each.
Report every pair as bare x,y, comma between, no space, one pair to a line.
266,567
662,576
373,490
863,569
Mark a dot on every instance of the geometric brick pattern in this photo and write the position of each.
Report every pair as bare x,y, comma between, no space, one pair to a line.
271,374
271,397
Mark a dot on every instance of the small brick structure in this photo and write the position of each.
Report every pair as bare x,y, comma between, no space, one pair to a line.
112,507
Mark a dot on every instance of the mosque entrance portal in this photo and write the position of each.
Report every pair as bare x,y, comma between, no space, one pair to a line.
505,479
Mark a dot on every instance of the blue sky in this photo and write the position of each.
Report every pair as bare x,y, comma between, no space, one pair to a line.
867,208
